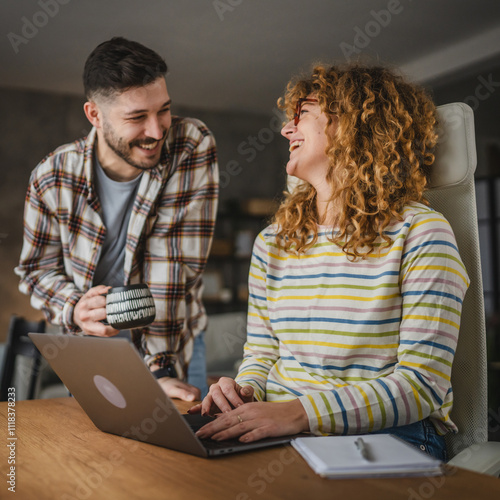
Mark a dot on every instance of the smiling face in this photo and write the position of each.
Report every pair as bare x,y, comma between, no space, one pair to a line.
308,144
131,129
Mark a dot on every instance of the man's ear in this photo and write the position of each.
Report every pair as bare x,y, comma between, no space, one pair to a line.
93,113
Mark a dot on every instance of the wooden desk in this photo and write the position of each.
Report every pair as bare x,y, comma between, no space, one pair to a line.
61,455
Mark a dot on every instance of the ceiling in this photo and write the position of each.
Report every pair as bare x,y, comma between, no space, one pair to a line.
239,54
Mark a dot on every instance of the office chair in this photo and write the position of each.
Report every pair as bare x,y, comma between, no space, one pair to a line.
19,344
452,193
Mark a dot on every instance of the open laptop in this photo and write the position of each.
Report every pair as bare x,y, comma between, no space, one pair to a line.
120,395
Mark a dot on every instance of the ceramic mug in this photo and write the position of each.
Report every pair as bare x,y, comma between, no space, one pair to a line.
130,306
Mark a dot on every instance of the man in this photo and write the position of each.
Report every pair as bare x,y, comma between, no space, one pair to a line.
135,201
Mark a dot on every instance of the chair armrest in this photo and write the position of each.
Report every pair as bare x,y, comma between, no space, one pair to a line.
480,457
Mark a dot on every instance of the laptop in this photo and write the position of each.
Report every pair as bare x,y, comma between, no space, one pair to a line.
116,389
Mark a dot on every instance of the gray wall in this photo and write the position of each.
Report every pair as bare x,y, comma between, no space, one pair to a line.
251,158
33,124
480,89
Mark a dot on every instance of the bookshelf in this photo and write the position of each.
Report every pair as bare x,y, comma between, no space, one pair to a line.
226,275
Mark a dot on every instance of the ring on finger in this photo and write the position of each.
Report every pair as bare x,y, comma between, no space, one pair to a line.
240,419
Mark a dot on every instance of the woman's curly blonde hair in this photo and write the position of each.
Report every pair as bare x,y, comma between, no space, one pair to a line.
380,156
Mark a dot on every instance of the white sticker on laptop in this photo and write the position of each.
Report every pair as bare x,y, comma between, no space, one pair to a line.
110,391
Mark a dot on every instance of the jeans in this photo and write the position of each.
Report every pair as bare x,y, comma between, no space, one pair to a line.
421,434
197,369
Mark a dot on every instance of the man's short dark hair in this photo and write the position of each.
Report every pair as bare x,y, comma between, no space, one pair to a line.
118,65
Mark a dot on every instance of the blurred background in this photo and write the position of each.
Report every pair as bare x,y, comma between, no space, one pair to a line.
229,61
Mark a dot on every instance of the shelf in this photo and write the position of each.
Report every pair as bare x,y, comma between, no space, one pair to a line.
230,257
215,307
238,224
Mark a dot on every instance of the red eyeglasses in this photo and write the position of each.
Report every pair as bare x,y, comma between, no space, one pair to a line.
298,108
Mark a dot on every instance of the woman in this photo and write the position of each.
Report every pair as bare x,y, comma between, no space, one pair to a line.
356,288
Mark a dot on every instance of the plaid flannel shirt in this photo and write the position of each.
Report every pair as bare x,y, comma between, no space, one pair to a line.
168,240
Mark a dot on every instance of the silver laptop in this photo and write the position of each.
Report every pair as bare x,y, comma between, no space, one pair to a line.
117,391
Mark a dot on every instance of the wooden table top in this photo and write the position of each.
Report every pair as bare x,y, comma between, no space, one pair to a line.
60,454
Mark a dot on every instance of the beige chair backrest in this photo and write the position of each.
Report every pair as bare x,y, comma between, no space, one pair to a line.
453,194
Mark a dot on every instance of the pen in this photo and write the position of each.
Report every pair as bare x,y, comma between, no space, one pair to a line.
361,446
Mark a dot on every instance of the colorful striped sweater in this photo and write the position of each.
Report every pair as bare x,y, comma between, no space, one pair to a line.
364,345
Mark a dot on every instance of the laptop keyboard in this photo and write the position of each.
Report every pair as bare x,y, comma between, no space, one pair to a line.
210,444
197,421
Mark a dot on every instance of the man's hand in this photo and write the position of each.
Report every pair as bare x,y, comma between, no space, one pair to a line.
175,388
90,310
223,396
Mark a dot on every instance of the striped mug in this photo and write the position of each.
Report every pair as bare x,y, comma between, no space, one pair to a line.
130,306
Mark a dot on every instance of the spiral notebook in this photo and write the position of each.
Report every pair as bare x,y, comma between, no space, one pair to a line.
382,455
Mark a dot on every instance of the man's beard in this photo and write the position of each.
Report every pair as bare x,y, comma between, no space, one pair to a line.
124,150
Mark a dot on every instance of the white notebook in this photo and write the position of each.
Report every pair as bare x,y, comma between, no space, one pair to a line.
384,455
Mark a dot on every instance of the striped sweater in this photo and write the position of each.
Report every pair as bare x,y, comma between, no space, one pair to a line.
364,345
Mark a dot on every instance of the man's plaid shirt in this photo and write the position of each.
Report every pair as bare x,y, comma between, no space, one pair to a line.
168,241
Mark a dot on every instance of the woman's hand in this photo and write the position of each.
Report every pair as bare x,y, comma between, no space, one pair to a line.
223,396
254,421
